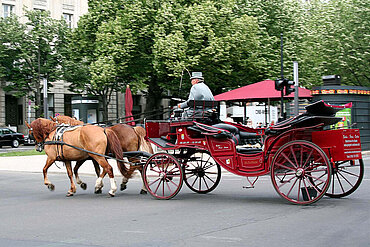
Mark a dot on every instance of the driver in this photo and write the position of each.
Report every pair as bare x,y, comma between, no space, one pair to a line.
199,91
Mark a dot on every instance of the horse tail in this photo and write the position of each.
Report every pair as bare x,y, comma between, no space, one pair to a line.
144,144
114,146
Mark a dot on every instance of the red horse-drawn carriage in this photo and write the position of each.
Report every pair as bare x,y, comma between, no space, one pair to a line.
304,159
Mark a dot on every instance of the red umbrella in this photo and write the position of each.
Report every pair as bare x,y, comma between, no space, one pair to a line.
128,106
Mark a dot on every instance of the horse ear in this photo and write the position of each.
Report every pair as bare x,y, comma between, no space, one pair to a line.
28,126
53,119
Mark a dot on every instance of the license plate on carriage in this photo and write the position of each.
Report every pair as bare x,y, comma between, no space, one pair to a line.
340,144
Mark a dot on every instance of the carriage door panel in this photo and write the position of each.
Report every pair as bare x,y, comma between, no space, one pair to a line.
223,151
252,163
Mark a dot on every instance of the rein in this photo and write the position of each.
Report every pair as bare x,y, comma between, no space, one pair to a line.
91,152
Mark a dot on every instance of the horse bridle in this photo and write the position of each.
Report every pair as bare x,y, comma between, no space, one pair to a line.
39,145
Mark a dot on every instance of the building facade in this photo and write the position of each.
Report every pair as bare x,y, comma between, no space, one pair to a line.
14,111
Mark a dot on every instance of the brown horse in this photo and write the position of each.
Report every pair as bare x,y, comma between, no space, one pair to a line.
131,139
90,137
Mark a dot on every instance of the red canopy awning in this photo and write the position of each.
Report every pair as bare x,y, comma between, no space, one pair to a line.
260,91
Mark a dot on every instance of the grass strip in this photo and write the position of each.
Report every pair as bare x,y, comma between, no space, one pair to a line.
22,153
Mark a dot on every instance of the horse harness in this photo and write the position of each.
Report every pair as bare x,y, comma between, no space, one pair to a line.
58,137
58,140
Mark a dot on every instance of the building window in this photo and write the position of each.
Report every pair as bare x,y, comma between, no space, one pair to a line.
69,19
7,10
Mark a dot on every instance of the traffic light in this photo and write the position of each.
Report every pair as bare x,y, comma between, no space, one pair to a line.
288,88
279,84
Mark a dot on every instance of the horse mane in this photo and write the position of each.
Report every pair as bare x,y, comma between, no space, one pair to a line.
42,128
68,120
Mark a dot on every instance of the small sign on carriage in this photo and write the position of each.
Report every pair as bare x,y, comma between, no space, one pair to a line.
340,144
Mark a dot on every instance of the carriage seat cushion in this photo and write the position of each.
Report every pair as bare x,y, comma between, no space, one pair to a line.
232,129
247,135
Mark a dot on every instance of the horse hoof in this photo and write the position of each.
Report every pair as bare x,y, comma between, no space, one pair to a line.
123,187
83,186
69,194
143,192
98,191
51,187
111,194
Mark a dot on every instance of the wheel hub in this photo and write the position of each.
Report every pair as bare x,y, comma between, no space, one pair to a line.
199,172
299,172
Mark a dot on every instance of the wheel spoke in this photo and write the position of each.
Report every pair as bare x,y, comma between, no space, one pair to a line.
349,173
316,178
314,186
287,182
299,191
293,154
308,158
286,167
340,184
209,178
209,166
295,181
194,181
306,189
287,158
154,182
168,186
344,179
160,180
205,182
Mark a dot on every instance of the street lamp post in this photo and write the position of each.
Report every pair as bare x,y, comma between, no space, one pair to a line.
296,91
45,97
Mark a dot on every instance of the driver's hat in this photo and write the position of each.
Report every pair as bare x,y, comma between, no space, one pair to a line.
196,75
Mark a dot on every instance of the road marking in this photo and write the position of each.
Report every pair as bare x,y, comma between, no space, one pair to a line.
140,232
227,239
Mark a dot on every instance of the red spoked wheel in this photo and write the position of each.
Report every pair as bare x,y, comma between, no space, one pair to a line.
301,172
201,173
346,178
163,176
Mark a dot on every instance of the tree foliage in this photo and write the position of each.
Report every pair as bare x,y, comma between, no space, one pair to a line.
149,43
30,52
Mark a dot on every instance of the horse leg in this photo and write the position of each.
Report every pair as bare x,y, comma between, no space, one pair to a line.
126,177
107,169
124,180
97,168
98,186
99,182
75,170
49,162
70,175
143,190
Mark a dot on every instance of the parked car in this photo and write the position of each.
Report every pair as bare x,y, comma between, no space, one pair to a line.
10,138
28,140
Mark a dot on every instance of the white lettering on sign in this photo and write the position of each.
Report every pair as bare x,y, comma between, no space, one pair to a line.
352,145
353,156
353,140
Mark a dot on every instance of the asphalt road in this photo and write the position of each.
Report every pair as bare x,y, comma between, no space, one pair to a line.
30,215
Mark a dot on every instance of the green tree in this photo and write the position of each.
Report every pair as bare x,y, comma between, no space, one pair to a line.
337,38
149,43
30,52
